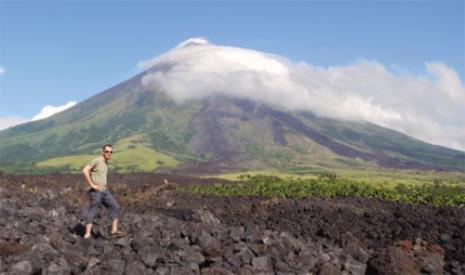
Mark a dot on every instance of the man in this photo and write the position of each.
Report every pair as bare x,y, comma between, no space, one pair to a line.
96,175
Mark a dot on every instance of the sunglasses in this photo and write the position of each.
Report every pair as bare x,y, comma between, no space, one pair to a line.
111,152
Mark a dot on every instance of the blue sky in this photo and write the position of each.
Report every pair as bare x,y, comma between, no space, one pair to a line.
55,52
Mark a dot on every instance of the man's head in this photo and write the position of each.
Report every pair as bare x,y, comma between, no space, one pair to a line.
107,150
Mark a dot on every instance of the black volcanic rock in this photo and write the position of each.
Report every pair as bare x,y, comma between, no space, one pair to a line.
23,267
287,237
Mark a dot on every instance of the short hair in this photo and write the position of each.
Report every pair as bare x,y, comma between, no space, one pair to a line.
106,145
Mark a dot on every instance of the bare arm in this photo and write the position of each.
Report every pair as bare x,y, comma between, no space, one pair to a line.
86,172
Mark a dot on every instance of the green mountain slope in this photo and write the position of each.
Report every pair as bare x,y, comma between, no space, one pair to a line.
151,131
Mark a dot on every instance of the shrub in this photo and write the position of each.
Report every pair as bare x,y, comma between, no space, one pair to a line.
330,185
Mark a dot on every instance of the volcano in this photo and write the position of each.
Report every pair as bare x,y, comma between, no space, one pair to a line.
154,124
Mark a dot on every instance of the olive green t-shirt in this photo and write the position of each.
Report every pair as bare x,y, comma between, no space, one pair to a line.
99,171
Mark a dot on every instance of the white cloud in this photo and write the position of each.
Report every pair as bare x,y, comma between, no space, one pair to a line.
430,107
49,110
2,71
7,122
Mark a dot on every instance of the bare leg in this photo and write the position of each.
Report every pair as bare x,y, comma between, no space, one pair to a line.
114,226
88,230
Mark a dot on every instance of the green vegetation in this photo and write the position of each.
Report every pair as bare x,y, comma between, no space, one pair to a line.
330,185
244,133
130,155
68,163
378,177
389,178
368,137
63,143
275,173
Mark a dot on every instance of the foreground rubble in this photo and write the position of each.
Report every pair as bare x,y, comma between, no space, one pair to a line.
178,233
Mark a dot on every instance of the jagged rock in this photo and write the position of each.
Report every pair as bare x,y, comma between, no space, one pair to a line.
446,237
180,243
52,213
353,247
50,194
74,258
39,256
92,263
11,232
61,267
307,259
169,233
259,248
215,270
289,242
150,256
354,267
253,234
237,233
330,269
194,267
456,267
431,263
206,216
429,257
44,249
94,271
323,258
108,248
181,270
136,268
284,237
45,202
162,271
11,248
83,244
262,263
393,260
282,267
193,255
235,261
123,242
114,266
210,246
33,228
248,270
23,267
86,246
246,255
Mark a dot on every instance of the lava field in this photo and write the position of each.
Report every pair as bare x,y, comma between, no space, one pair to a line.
174,232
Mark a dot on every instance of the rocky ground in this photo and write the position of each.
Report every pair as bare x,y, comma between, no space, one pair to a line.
172,232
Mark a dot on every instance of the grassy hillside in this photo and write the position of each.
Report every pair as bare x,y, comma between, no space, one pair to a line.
67,138
364,141
150,130
373,138
130,155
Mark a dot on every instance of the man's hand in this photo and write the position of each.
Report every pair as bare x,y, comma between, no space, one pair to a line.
86,172
96,187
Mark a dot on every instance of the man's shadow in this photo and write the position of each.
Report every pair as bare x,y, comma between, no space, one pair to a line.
79,229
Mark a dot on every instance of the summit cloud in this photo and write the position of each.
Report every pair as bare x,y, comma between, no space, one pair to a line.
429,107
